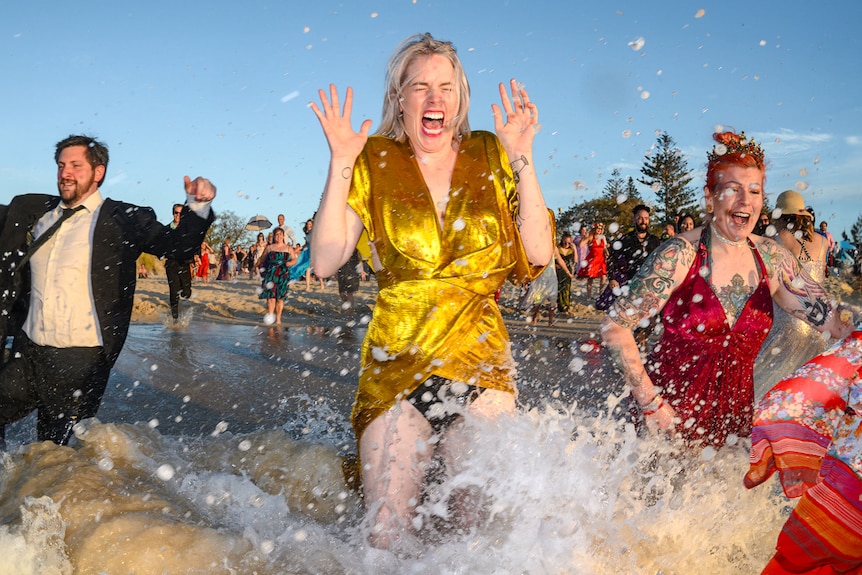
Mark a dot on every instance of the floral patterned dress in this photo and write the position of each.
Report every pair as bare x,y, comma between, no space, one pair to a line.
808,429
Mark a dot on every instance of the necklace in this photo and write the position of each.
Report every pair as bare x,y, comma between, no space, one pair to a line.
721,238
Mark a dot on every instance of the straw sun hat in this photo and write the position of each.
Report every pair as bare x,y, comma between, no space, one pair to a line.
791,204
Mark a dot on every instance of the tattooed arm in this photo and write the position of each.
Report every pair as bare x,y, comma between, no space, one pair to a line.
648,292
799,294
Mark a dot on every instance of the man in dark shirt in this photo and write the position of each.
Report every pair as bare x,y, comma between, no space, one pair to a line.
627,256
178,271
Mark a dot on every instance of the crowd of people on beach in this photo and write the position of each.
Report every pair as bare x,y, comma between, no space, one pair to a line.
277,260
691,317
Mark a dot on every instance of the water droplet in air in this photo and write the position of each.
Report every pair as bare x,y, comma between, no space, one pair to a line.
165,472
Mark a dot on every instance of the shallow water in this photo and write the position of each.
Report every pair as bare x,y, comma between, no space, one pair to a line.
235,466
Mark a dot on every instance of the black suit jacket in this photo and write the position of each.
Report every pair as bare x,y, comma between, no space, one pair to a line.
122,232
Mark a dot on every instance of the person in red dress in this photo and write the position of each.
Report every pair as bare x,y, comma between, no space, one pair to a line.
714,287
597,257
203,269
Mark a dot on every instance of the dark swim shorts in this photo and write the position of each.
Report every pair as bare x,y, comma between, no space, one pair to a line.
437,390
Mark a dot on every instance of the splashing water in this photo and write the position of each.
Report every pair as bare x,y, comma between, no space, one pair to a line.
561,488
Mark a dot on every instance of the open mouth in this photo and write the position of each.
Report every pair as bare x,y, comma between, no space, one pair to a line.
432,123
740,218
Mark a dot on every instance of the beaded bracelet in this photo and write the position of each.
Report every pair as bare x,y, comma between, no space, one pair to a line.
653,406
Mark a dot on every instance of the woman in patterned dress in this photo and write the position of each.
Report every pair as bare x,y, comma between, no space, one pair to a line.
274,265
808,429
565,262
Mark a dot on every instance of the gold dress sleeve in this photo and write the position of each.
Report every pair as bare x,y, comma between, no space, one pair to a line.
435,311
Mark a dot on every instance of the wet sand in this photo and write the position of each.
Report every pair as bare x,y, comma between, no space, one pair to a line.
223,367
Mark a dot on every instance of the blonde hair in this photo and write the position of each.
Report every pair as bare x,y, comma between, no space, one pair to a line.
416,46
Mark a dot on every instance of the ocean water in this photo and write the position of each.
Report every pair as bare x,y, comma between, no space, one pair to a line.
223,451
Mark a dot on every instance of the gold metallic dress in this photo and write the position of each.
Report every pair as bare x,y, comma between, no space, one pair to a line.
435,312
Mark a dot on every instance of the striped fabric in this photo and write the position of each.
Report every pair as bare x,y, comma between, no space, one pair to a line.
808,429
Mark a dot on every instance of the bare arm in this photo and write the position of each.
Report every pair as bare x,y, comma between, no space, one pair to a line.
516,135
336,227
798,294
561,262
649,291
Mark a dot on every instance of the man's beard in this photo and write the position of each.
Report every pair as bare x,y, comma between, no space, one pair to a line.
641,228
74,194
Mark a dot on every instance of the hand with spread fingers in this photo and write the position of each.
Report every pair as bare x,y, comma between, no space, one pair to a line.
521,121
343,141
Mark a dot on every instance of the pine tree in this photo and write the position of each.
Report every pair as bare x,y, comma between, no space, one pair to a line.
666,172
856,233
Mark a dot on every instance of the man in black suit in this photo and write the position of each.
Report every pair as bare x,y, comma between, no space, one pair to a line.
178,272
67,301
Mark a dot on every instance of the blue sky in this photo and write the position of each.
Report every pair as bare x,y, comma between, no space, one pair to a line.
220,89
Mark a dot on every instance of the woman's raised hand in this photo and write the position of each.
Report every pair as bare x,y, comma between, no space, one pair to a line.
343,142
521,122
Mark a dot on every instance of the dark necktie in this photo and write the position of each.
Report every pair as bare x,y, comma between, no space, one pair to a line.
46,235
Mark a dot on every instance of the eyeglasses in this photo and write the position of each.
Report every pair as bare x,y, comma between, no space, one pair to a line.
178,213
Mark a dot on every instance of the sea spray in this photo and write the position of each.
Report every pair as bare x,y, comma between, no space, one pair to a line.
561,491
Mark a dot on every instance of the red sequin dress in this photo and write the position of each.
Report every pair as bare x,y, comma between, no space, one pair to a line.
705,367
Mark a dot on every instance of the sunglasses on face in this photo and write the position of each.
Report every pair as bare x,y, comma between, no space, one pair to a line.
177,213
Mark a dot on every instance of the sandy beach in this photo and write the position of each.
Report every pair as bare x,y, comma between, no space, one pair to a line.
236,302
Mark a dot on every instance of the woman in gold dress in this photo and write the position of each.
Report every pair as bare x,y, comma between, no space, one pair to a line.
450,215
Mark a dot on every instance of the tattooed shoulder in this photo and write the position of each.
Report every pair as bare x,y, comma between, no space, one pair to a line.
671,254
648,291
772,254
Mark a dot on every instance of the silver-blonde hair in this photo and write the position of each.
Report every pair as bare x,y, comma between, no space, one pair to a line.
416,46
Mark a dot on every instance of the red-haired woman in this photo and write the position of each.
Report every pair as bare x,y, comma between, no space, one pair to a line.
714,286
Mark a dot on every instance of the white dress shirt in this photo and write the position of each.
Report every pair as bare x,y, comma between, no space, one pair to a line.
62,309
